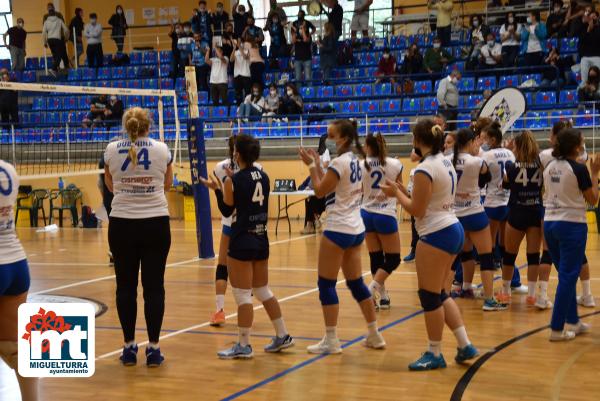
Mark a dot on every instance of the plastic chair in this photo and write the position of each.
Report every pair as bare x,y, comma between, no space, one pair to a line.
33,202
65,199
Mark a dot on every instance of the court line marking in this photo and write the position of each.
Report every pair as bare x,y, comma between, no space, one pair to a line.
559,377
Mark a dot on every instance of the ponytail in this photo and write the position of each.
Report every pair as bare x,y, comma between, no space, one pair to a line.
136,123
494,131
348,129
430,135
463,137
567,141
378,147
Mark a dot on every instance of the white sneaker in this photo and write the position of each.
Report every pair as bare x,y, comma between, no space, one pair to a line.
586,301
543,303
580,328
374,341
523,289
565,335
325,346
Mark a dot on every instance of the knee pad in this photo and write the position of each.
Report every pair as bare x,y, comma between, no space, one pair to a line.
585,261
487,261
221,273
377,261
392,261
466,256
430,301
262,293
327,292
443,296
533,258
359,290
509,258
546,259
9,352
242,296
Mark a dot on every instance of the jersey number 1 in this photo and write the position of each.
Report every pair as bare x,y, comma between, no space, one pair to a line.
258,196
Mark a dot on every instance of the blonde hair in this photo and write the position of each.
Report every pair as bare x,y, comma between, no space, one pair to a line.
136,123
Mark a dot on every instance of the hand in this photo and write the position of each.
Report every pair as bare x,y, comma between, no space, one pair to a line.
390,188
595,164
212,183
229,171
306,156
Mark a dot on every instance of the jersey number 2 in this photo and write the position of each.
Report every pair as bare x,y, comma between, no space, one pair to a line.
377,176
258,196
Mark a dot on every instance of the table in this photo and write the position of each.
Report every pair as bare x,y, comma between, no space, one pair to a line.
304,194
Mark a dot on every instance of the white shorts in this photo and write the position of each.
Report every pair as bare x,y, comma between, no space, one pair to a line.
360,22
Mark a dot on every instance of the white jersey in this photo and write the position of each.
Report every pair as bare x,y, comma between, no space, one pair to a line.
411,181
546,156
496,160
343,205
374,200
468,196
564,184
10,247
220,172
139,190
439,213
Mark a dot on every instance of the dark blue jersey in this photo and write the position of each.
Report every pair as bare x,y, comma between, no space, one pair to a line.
525,182
251,202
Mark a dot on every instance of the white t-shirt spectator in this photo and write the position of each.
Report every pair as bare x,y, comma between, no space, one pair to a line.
511,41
487,52
241,66
218,71
533,45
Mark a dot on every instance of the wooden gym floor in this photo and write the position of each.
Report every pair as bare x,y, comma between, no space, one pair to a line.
518,362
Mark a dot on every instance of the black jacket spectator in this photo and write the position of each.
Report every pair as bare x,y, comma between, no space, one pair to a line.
219,20
335,16
278,41
77,24
240,18
413,61
119,27
589,40
590,91
302,47
202,25
555,20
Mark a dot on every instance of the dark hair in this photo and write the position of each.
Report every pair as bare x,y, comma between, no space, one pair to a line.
597,71
202,2
507,23
479,17
386,50
560,125
494,131
322,144
567,141
463,136
248,148
537,15
377,145
186,23
93,15
230,148
78,10
429,134
349,129
272,86
526,148
558,2
293,88
118,6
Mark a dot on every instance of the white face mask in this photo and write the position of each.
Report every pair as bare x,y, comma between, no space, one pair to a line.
556,10
290,92
273,93
386,56
437,45
475,23
20,24
93,21
491,43
511,20
529,20
187,30
119,12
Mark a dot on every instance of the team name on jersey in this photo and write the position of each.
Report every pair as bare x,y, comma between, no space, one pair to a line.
256,175
139,142
555,174
447,163
527,165
501,153
375,163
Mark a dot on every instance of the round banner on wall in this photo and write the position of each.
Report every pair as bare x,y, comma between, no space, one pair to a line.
99,307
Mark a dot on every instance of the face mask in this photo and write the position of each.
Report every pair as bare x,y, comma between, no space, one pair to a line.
178,30
475,23
485,147
113,99
275,21
241,10
255,93
20,24
51,11
586,13
556,10
187,30
93,21
511,20
273,93
386,56
529,20
119,12
331,146
455,80
437,45
418,151
219,10
289,92
491,43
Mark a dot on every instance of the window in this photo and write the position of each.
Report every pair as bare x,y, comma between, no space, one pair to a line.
5,23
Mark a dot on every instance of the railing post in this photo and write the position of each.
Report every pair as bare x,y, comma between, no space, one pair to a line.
46,60
301,132
366,124
14,145
68,142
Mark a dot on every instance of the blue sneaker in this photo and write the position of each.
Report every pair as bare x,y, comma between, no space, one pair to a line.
410,257
492,304
236,352
153,357
129,355
428,361
279,343
466,353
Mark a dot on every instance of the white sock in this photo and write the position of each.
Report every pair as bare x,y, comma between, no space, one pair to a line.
461,337
244,336
543,289
130,344
506,286
374,286
531,286
372,327
435,347
586,287
280,329
331,332
466,286
220,299
383,292
153,345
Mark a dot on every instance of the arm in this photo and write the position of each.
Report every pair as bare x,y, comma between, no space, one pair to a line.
441,93
365,7
591,194
421,194
234,8
207,57
250,8
169,177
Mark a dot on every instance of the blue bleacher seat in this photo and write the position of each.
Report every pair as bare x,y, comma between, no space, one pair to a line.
202,97
545,98
39,103
391,105
88,74
473,101
325,92
32,63
370,106
279,128
508,80
317,128
343,91
484,83
104,73
536,77
464,120
150,84
69,103
135,58
350,107
165,57
149,101
585,118
364,90
74,75
379,125
400,125
536,120
430,104
567,97
423,87
569,45
131,72
118,72
466,84
307,92
383,89
150,57
411,105
202,112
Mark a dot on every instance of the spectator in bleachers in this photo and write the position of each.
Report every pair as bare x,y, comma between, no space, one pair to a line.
252,32
272,101
241,72
76,26
573,20
589,43
436,58
302,31
54,34
254,104
447,97
360,19
219,21
185,42
218,76
279,44
276,9
413,60
257,64
119,27
17,36
96,115
335,16
479,32
490,53
198,61
554,74
240,18
227,41
201,22
590,90
386,68
510,36
444,19
291,103
555,20
52,11
175,31
9,103
328,51
533,40
114,111
93,35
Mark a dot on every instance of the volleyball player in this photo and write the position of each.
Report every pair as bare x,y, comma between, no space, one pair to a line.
14,279
441,239
524,179
472,174
245,196
379,217
138,171
568,186
340,244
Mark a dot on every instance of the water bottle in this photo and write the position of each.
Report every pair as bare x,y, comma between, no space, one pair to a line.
175,180
61,183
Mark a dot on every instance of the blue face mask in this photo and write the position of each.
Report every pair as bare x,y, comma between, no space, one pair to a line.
485,147
331,146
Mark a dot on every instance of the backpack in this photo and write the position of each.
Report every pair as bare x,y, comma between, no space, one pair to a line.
345,54
88,218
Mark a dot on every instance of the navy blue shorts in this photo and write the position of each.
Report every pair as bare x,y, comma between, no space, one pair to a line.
474,222
499,213
379,223
449,239
227,230
14,278
248,255
344,241
522,218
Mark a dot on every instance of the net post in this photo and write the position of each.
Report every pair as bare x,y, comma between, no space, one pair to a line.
198,168
14,145
46,60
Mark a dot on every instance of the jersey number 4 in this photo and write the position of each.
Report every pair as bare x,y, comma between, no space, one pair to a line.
258,196
142,158
523,179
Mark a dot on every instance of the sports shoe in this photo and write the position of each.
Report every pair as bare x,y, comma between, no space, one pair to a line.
543,303
326,346
218,318
153,357
309,228
522,289
428,361
410,257
456,292
530,301
586,301
384,303
468,294
374,341
492,304
503,298
279,343
580,328
129,355
564,335
466,353
376,297
237,351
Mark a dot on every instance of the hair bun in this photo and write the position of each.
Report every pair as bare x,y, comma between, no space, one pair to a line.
132,125
437,130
